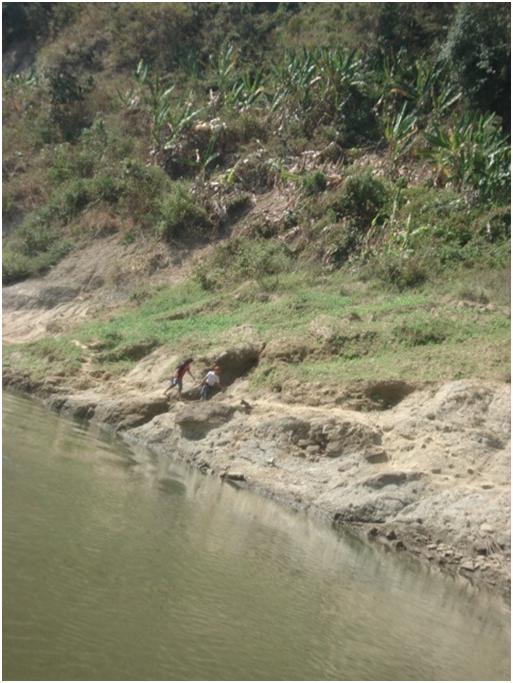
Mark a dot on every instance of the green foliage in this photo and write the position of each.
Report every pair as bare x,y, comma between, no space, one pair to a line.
421,333
15,266
33,257
401,25
238,260
323,86
477,53
67,91
25,21
219,97
401,271
315,182
247,90
362,199
154,32
223,65
180,216
474,153
399,131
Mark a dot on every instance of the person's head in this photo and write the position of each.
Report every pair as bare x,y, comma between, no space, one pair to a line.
189,360
217,369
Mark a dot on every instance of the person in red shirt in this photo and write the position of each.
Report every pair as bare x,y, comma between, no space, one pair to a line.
177,380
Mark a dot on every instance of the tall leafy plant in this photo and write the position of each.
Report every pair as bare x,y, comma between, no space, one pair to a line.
472,152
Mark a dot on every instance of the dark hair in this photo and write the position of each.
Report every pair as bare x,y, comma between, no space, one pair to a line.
184,363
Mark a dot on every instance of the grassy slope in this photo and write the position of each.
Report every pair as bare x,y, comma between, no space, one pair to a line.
334,331
431,308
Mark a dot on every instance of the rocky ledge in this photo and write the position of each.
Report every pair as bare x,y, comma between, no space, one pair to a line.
428,476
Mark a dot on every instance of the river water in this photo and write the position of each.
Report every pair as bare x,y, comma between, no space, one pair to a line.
120,564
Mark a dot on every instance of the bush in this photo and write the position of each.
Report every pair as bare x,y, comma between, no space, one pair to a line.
142,189
400,270
180,216
315,183
153,31
477,53
238,260
17,265
363,197
421,333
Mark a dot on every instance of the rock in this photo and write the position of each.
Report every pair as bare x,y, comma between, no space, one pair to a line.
236,361
481,547
293,428
246,406
285,350
130,412
197,419
378,481
468,566
232,476
375,456
346,436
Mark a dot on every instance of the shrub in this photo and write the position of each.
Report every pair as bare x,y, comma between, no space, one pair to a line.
142,189
238,260
315,182
362,199
15,266
421,333
153,31
477,52
401,270
180,215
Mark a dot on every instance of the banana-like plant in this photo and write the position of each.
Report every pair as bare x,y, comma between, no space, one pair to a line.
168,122
423,86
400,129
224,65
293,79
247,90
177,120
156,97
473,152
16,85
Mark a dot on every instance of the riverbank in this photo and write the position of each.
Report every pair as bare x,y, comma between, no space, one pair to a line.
428,477
420,466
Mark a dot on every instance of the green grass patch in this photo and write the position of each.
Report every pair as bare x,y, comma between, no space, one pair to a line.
433,333
43,358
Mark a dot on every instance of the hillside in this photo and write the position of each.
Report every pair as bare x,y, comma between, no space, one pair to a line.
317,197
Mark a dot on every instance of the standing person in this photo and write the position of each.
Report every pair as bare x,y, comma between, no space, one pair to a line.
180,372
211,379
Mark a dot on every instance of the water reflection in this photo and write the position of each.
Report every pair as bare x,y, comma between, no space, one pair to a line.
120,564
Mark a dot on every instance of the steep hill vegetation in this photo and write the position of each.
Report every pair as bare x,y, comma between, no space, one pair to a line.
382,130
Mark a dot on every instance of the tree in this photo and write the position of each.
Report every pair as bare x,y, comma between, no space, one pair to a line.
477,52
